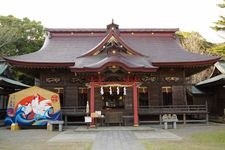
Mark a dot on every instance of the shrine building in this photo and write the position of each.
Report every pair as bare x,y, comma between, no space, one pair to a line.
129,75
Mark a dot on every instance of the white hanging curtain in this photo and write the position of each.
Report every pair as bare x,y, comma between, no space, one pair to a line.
101,91
87,108
118,90
124,91
110,90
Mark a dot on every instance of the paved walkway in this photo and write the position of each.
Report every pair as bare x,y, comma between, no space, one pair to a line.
114,138
102,138
117,140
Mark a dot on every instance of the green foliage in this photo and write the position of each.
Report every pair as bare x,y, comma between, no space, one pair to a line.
211,138
214,140
220,24
17,37
218,49
20,36
222,5
194,42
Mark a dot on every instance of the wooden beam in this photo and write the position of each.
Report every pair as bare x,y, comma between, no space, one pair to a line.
92,103
135,104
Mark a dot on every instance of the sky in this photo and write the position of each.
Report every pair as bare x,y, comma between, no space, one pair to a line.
187,15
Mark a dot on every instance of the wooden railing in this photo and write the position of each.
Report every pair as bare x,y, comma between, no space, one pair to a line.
199,111
181,110
73,110
178,109
148,109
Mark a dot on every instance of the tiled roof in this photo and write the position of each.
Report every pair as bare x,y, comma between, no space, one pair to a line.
220,66
128,61
160,47
3,67
6,82
194,90
214,81
163,49
60,50
218,80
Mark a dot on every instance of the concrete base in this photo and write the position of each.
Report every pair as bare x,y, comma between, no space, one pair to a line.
49,127
14,127
92,126
136,125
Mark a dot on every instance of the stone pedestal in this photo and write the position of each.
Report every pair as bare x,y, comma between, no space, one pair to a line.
14,127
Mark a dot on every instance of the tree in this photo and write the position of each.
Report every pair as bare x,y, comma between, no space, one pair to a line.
219,49
7,35
17,37
220,24
20,36
194,42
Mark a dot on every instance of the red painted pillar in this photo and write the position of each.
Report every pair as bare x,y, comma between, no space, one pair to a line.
92,102
135,104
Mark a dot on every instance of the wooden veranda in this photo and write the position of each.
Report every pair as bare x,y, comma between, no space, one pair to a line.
185,113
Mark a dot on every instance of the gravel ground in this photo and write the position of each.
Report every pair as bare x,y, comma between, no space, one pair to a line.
27,139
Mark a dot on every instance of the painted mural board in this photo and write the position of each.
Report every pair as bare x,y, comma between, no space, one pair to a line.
33,106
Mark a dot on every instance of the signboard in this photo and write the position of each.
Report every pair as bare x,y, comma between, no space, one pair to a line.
33,106
87,119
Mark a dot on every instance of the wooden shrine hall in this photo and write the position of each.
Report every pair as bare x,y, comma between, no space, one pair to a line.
136,75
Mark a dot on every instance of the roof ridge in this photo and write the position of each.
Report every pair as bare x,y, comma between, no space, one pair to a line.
105,30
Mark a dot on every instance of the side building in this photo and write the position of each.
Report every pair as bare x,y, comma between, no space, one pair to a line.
213,92
7,86
139,74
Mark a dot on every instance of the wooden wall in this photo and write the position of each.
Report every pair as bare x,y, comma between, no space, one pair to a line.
67,81
154,92
98,99
61,82
178,95
218,101
129,101
71,96
167,78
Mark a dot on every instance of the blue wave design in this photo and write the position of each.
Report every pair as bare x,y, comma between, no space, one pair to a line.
23,120
40,123
8,121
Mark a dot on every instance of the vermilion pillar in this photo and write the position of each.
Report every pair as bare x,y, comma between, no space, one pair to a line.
135,104
92,103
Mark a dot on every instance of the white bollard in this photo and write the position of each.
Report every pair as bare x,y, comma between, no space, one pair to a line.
165,125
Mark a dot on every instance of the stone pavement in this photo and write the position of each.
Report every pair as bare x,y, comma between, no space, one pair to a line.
114,138
107,138
117,140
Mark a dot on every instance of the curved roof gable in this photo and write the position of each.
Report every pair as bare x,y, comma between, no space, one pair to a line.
103,60
111,34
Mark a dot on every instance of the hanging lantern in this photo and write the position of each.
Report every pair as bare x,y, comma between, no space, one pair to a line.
124,91
110,90
118,90
101,91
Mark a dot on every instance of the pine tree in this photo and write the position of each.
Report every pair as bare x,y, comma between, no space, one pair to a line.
220,24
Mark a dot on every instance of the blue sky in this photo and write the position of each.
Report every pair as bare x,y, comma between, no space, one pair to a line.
188,15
